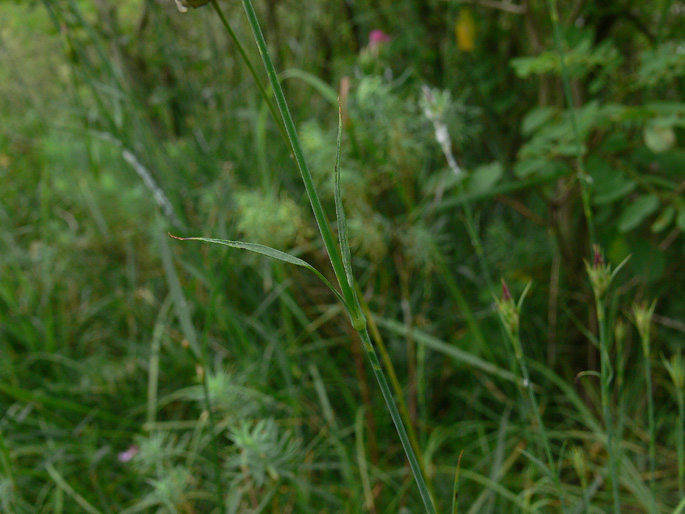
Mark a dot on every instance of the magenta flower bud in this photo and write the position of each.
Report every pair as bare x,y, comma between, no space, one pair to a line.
377,37
506,294
598,259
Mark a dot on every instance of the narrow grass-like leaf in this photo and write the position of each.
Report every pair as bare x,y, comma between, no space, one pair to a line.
324,89
455,490
267,251
361,460
447,349
64,486
498,489
348,474
358,319
339,211
6,460
180,303
680,508
153,368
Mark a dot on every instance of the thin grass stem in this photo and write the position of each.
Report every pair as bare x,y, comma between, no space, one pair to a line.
651,422
509,315
397,420
606,379
680,437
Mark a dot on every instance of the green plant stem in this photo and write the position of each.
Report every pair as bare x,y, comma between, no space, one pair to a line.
352,303
680,436
650,420
402,406
528,385
583,177
397,420
606,377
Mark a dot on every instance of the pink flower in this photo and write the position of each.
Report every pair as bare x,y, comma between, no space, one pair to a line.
128,454
377,37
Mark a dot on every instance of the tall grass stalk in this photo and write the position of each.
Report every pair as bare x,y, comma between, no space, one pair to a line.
601,276
394,381
339,258
509,312
643,320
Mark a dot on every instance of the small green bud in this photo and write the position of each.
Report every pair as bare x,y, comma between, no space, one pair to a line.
578,458
643,319
509,313
676,368
600,273
184,4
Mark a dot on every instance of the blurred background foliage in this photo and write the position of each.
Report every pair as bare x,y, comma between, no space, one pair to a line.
125,120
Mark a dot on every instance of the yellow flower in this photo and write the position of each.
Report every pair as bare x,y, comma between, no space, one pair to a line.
465,30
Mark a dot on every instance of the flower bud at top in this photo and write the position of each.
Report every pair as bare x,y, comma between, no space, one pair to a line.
509,312
506,294
643,321
676,368
599,273
377,37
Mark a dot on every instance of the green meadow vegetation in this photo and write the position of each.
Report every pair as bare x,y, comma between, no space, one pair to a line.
393,256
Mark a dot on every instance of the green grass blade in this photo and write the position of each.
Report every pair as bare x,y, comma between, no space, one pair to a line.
455,489
267,251
324,89
153,367
340,212
447,349
180,303
64,486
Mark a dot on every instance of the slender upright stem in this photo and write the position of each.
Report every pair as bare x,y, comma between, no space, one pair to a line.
397,420
680,436
652,426
606,378
515,339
